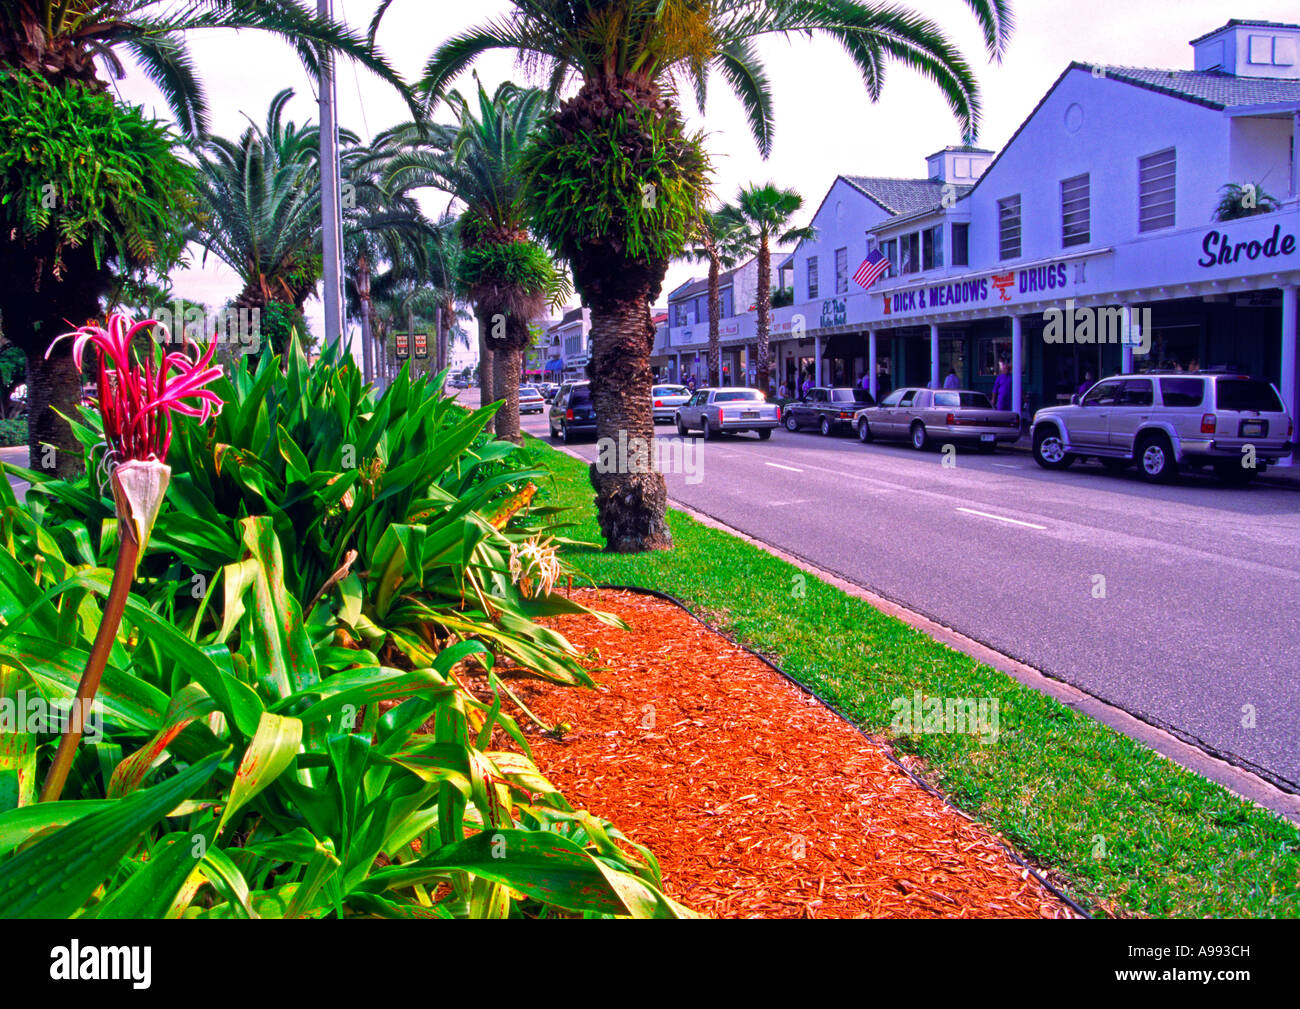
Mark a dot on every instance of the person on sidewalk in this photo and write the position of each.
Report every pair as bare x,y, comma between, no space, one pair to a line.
1086,384
1002,387
951,381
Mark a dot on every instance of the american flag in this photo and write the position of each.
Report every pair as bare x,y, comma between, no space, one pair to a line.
872,267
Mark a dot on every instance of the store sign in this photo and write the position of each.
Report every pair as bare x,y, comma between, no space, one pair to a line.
835,312
421,345
1217,249
990,290
403,345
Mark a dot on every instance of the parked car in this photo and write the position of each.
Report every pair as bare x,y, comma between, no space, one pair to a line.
1162,422
572,412
937,416
548,391
729,410
667,398
530,400
825,409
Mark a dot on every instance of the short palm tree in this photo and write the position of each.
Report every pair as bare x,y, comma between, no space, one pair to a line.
618,178
718,239
63,45
507,276
1237,201
765,214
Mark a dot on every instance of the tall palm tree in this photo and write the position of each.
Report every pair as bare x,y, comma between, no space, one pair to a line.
619,178
764,213
718,239
66,44
508,277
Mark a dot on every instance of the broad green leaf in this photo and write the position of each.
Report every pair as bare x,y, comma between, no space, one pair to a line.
270,751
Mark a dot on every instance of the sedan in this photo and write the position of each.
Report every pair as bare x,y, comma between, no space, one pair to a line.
826,410
667,398
937,416
530,400
728,410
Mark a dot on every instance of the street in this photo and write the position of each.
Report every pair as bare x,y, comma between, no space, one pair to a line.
1175,603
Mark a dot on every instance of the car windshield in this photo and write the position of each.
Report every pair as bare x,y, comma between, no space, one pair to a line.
528,390
977,400
1248,394
739,396
580,396
669,390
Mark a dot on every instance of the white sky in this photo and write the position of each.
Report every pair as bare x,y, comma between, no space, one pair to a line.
824,124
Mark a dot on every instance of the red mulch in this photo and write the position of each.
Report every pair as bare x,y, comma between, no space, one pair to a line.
757,800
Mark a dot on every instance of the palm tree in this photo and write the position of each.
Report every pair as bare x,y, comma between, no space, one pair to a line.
73,47
718,239
508,277
1237,201
765,212
618,178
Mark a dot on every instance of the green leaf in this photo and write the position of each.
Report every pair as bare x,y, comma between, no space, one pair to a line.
271,750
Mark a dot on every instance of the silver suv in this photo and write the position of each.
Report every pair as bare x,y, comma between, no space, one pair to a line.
1161,422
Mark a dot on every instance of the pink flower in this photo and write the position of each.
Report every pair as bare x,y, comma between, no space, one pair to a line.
136,402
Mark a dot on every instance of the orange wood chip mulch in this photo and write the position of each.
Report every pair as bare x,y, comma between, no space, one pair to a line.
757,800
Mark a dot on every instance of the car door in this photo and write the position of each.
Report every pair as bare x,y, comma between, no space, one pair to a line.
900,414
558,405
1090,424
880,418
690,410
1132,409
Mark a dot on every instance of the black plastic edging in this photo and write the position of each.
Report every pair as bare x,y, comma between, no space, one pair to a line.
916,779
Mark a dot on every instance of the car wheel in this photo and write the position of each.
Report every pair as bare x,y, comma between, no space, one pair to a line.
555,435
1233,473
825,426
790,423
1049,449
864,432
1156,463
564,433
764,433
1115,465
709,433
919,438
682,430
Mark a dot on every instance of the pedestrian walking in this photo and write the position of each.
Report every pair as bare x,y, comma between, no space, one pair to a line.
1085,385
1002,387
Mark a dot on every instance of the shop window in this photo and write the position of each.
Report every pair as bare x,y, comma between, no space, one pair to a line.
932,248
812,277
1076,212
1009,227
889,249
989,351
1156,191
909,253
961,245
841,271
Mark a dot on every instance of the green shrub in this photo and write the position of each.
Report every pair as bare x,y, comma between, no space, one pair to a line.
13,431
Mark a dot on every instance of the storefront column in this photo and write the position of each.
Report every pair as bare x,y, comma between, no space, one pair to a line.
934,356
1290,399
817,360
871,362
1126,335
1017,363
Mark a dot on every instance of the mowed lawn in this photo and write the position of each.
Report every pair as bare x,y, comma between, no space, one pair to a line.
1121,829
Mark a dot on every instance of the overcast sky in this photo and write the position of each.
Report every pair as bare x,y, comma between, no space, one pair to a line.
825,126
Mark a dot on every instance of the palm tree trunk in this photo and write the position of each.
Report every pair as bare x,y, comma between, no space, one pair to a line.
764,321
715,313
509,360
53,384
631,497
486,371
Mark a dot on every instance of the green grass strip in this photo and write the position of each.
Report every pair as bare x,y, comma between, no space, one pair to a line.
1127,831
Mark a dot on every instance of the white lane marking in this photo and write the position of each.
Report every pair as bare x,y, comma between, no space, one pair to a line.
777,465
1006,465
1000,518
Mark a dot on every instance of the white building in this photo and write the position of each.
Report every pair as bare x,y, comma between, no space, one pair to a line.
1105,197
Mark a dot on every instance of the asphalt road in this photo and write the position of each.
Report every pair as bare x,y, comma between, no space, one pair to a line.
1197,628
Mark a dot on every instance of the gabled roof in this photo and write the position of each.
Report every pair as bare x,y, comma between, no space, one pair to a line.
1211,88
903,196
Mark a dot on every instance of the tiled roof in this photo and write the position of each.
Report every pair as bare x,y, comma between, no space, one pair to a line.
903,196
1209,87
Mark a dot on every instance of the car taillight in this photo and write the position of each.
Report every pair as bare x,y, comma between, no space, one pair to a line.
1208,423
568,414
845,416
951,420
659,402
778,413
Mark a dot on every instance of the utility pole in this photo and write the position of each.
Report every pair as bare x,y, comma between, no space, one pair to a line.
331,194
363,295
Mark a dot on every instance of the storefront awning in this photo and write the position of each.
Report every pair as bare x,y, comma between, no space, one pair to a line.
555,364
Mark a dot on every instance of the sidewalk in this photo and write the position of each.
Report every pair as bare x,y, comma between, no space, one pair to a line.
1275,476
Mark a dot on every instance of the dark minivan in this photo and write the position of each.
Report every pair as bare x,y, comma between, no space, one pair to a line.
572,412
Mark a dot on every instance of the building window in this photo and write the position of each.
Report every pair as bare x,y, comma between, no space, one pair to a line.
812,277
1076,212
841,271
961,245
725,308
1009,227
889,249
1156,191
909,253
932,248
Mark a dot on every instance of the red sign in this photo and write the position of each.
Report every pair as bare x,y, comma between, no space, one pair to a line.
421,345
403,347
